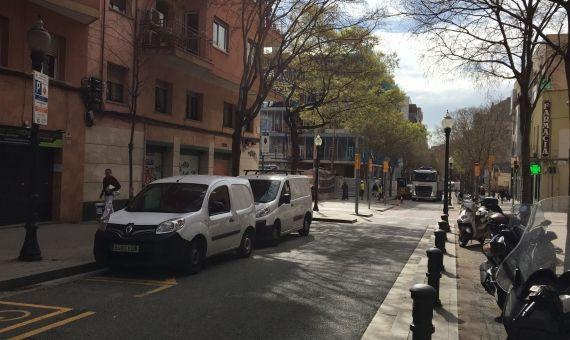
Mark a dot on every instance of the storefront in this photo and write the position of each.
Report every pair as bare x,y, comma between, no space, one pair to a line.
15,174
154,162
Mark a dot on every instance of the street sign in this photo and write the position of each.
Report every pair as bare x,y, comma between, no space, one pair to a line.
357,161
477,169
385,167
265,144
535,169
41,84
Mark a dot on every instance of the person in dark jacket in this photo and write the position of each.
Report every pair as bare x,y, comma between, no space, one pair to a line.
110,186
344,190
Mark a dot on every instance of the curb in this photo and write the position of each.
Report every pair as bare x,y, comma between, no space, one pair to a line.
47,276
334,220
385,208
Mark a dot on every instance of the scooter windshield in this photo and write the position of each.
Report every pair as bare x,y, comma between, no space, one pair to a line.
543,244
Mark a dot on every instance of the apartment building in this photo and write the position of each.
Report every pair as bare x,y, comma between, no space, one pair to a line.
181,60
62,139
550,137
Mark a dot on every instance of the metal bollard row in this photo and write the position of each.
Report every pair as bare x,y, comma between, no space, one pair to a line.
423,297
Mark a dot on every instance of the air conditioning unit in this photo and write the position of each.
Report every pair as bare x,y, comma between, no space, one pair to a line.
151,38
155,17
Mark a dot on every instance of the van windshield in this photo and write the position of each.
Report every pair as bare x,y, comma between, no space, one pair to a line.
264,190
169,198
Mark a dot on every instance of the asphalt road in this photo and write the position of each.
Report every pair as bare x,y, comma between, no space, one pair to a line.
328,285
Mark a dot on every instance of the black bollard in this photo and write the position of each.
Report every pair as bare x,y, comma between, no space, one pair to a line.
440,239
435,266
443,225
445,217
422,311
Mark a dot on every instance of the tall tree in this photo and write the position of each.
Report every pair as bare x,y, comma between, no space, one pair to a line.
492,39
323,86
273,33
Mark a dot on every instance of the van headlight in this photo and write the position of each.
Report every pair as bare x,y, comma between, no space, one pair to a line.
263,212
170,226
103,224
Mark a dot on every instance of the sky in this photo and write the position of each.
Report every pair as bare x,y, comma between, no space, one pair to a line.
435,92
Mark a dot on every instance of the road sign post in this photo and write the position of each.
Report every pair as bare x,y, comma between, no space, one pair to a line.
372,179
264,148
385,168
357,181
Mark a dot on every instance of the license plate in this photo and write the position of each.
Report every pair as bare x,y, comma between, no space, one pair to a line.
126,248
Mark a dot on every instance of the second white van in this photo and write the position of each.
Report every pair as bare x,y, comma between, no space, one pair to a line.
282,205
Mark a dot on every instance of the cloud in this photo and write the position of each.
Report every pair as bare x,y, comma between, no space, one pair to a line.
435,92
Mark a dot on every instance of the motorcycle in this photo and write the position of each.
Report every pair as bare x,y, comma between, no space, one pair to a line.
472,225
536,275
505,233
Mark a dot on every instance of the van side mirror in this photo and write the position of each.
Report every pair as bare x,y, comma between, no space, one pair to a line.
285,199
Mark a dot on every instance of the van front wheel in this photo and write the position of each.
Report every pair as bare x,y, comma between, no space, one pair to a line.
275,234
306,226
192,262
246,246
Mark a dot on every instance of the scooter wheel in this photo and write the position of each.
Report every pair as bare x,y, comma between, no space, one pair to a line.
481,240
463,241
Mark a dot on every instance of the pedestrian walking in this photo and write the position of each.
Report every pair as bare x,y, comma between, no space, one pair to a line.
344,190
362,190
110,187
375,190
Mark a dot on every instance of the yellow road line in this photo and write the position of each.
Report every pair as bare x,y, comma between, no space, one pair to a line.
51,326
39,318
154,290
28,305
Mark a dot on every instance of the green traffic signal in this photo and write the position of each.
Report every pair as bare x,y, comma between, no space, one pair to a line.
535,169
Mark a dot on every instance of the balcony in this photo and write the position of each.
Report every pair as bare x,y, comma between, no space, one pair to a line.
175,38
83,11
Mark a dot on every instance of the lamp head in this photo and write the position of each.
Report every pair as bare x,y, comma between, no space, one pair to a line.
39,38
318,140
447,121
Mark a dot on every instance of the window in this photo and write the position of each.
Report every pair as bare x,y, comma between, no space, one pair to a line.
3,41
286,190
264,190
219,201
228,115
169,198
163,97
119,5
220,35
54,63
115,80
194,105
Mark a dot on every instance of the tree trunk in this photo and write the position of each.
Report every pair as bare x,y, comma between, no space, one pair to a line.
567,72
525,119
294,133
236,145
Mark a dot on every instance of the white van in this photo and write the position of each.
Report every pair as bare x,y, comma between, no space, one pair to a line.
178,222
282,205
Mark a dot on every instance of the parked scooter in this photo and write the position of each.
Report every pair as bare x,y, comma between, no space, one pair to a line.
536,275
505,233
472,225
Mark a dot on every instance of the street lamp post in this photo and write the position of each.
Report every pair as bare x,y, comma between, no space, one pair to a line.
450,179
318,142
39,41
447,123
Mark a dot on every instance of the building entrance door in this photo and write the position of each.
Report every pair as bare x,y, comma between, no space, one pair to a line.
14,183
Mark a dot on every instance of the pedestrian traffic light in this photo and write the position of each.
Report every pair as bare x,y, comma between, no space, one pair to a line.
385,167
357,161
369,164
535,169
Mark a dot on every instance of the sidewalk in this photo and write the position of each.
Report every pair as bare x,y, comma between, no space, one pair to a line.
67,249
393,318
340,211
